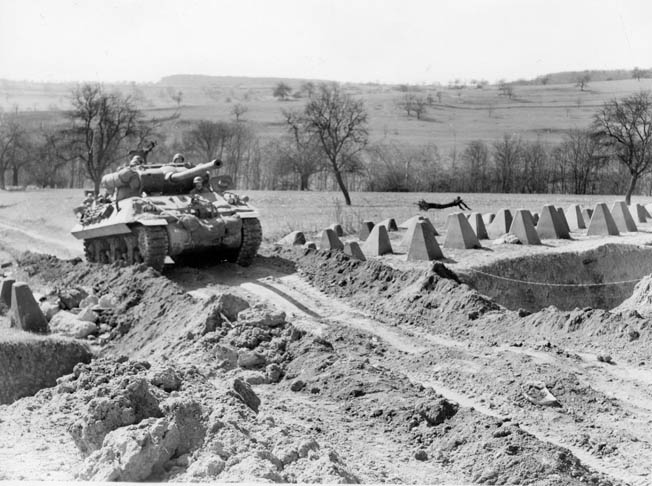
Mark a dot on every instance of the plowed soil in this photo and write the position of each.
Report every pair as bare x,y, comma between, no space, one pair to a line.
310,366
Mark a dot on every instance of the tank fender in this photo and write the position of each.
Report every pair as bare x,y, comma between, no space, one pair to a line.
153,222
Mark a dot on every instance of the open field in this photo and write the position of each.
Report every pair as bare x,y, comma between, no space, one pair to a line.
49,212
535,112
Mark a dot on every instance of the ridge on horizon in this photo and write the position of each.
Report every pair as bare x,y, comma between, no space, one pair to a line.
184,79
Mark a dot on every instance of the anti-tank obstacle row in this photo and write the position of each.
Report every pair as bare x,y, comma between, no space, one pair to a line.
465,231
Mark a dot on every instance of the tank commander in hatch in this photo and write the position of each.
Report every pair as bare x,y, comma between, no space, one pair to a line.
200,187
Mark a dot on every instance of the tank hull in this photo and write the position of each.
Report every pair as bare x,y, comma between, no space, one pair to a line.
170,226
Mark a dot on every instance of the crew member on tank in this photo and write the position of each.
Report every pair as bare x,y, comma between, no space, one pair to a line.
180,159
200,187
126,182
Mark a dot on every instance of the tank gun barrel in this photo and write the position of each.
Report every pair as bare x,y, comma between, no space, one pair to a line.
189,174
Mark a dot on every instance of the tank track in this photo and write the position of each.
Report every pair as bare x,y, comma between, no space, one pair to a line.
89,252
148,245
252,237
152,245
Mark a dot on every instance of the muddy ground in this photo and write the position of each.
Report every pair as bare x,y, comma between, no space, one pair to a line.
310,366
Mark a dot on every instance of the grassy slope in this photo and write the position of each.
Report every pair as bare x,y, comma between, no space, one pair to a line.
464,115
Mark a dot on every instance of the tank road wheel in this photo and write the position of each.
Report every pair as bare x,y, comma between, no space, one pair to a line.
152,245
91,249
252,236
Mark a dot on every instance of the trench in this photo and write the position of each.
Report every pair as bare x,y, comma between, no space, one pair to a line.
600,278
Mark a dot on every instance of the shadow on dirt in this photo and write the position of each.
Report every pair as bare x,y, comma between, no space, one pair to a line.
198,273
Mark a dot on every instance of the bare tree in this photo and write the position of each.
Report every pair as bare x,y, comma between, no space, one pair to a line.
625,129
301,152
308,88
420,106
238,110
413,103
208,140
12,136
101,123
340,123
176,96
579,159
475,159
507,154
506,90
282,91
583,81
638,73
52,153
534,168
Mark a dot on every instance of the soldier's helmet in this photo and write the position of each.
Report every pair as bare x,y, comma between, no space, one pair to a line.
136,161
197,179
178,158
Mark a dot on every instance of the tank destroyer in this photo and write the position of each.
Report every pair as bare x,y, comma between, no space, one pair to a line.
151,212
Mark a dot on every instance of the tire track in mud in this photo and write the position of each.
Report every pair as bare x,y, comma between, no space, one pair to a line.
57,246
316,310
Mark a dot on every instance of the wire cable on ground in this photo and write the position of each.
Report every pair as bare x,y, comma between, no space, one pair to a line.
548,284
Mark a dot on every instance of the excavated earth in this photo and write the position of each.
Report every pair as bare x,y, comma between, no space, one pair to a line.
311,366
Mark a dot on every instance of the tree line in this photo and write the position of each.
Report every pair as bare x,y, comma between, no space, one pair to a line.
325,146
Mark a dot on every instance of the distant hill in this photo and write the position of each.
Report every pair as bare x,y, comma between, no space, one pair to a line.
568,77
455,115
200,80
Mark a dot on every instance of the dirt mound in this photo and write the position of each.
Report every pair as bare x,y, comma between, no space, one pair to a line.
152,316
436,300
640,300
29,363
393,293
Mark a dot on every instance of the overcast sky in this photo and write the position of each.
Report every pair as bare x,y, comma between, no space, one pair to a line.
391,41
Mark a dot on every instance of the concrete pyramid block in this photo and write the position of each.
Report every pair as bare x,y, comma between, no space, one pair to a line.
639,213
353,250
562,220
622,217
500,224
25,311
574,217
602,223
365,229
337,228
5,291
423,245
478,226
378,242
523,228
330,241
488,218
648,209
459,233
294,238
389,223
410,223
550,225
405,224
